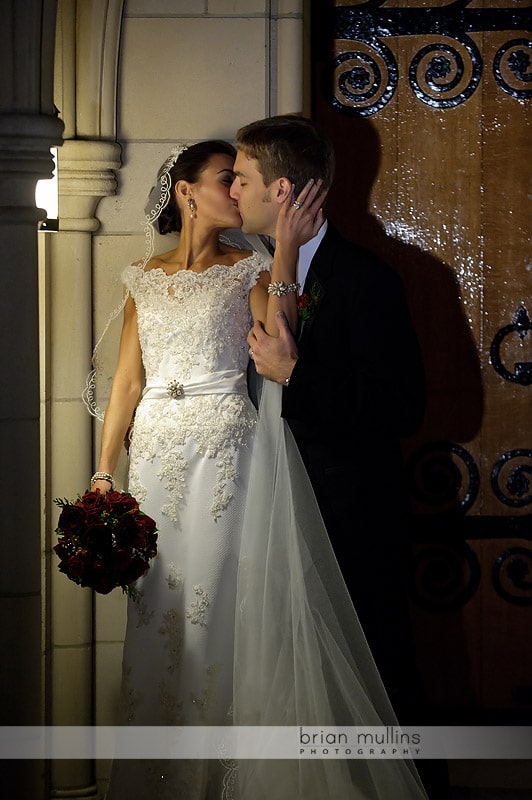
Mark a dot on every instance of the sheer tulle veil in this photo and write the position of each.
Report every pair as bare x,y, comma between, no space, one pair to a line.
301,657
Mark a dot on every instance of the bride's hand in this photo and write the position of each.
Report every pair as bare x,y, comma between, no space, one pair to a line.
103,486
301,218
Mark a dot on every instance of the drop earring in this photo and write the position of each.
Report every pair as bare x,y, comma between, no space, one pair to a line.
192,207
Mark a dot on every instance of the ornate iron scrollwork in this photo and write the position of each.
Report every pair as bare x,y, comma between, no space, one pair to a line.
366,77
512,576
522,369
512,67
443,477
439,72
443,73
517,480
444,577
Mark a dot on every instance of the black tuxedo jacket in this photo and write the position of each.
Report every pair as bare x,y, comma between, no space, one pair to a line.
356,389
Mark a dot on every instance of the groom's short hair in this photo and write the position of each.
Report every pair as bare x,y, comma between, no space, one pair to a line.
288,146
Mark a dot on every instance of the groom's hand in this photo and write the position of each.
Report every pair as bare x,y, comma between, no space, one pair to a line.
274,357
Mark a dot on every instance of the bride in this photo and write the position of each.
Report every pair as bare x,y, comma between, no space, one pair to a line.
234,623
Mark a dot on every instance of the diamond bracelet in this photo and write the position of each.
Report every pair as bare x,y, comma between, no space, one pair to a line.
280,288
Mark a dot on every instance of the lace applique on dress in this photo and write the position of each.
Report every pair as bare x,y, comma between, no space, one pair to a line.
202,702
143,612
174,578
172,630
197,610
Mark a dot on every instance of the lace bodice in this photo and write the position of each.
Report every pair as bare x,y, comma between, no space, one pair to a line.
192,330
192,324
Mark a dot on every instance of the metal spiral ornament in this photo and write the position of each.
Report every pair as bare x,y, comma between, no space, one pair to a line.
512,576
443,477
444,577
512,68
511,478
443,76
445,72
365,78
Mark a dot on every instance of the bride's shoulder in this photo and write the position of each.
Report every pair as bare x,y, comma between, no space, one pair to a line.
232,255
135,270
160,261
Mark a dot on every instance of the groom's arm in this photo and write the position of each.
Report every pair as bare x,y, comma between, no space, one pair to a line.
274,357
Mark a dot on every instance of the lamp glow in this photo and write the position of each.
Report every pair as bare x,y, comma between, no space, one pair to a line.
47,198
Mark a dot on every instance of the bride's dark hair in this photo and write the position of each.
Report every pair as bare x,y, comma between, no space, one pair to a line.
189,167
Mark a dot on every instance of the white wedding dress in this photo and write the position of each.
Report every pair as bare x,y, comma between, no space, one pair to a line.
243,617
189,463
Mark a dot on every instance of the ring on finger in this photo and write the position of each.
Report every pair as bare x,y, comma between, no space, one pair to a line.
296,204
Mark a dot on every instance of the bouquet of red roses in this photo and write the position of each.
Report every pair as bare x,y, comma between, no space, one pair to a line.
105,541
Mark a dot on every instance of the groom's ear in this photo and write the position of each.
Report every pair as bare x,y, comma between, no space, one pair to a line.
283,189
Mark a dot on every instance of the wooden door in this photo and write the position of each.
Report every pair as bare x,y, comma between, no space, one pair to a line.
428,105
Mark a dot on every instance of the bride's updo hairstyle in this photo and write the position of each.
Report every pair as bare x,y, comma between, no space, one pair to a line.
188,167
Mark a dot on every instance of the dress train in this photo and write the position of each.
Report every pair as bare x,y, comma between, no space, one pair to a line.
301,658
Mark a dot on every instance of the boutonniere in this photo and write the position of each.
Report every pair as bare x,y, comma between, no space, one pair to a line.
307,303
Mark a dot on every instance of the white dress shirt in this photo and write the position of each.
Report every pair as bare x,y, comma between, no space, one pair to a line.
306,254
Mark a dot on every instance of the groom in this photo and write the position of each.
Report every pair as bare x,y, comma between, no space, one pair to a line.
353,386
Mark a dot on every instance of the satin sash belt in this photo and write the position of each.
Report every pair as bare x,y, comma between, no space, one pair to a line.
227,382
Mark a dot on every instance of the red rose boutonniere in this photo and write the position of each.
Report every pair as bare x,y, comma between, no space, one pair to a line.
105,541
307,304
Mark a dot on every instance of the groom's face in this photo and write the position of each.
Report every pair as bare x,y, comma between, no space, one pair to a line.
256,201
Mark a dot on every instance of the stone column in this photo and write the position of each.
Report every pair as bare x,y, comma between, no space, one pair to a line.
28,128
87,46
85,176
25,141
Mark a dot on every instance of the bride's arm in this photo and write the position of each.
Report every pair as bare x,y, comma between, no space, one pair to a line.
297,223
125,392
271,341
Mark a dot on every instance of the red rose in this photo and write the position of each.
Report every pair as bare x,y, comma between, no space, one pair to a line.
302,302
146,523
66,547
95,517
119,503
72,519
121,559
76,566
99,538
137,568
127,532
146,532
91,500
